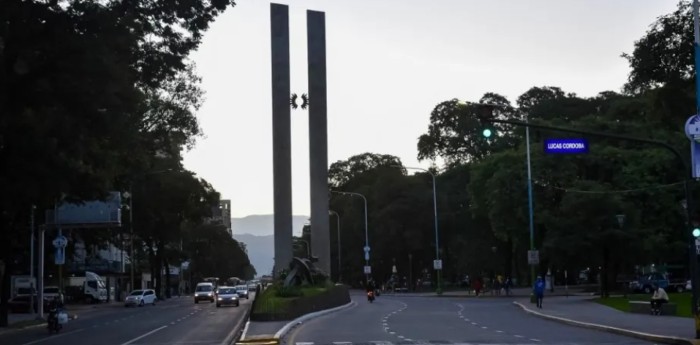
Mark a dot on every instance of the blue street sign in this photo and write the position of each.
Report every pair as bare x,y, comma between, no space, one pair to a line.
692,131
565,145
60,256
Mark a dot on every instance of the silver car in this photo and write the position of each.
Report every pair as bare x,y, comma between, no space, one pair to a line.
227,295
242,291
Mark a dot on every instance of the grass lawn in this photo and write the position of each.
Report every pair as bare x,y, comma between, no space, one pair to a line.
682,301
269,303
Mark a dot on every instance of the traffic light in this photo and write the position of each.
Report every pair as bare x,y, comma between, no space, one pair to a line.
696,232
487,133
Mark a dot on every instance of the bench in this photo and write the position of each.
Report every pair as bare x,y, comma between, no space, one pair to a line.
644,307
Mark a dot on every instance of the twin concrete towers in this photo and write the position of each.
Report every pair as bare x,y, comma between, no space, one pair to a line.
281,137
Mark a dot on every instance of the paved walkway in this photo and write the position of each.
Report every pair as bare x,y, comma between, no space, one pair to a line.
581,309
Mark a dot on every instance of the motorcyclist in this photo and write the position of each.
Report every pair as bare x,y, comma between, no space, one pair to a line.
370,286
55,306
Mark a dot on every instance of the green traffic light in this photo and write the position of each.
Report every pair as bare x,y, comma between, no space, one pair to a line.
696,232
487,133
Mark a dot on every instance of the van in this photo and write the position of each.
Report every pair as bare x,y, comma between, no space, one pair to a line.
204,292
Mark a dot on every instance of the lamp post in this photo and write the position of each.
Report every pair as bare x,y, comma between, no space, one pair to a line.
366,249
337,227
531,211
438,263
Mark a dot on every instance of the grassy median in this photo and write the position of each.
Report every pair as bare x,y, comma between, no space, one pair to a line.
682,301
276,299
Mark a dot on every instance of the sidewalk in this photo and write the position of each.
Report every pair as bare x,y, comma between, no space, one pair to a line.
583,312
516,292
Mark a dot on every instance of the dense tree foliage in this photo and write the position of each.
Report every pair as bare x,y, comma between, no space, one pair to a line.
93,94
483,187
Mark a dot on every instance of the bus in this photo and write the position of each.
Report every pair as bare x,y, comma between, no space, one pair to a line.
213,280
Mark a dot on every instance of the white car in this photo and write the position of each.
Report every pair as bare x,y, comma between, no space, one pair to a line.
141,298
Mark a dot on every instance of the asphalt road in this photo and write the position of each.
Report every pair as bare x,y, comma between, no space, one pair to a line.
420,320
177,320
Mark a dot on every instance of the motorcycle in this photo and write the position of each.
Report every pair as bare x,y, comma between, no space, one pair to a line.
370,296
57,317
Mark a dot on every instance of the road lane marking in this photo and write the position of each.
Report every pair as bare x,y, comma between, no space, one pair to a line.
342,342
466,319
518,336
499,331
484,327
474,323
392,333
535,340
54,337
143,336
307,343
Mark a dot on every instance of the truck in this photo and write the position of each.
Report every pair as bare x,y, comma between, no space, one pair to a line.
646,282
22,285
90,288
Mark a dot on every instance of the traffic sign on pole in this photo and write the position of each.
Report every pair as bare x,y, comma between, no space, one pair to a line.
368,269
692,131
437,264
533,257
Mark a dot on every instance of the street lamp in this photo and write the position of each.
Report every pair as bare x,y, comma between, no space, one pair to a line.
366,249
438,263
331,212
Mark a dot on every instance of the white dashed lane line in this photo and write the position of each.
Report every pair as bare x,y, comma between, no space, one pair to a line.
459,313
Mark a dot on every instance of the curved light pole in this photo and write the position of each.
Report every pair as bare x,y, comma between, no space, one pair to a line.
366,233
331,212
438,262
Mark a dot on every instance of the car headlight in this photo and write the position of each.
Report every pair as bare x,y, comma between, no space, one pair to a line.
220,298
209,294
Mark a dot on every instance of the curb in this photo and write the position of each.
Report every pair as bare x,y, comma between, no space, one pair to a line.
237,330
298,321
621,331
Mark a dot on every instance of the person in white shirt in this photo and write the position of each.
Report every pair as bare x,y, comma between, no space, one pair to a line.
657,299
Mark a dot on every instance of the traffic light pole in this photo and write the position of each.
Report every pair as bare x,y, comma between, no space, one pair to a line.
688,195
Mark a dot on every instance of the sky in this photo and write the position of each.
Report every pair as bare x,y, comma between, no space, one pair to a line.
389,63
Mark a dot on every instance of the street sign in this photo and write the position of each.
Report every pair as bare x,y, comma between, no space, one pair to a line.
565,145
621,220
533,257
60,256
697,246
366,256
437,264
368,269
366,249
692,131
60,241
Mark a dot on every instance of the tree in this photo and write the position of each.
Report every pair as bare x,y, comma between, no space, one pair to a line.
73,78
665,54
455,130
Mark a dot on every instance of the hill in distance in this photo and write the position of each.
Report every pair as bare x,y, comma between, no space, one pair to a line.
257,234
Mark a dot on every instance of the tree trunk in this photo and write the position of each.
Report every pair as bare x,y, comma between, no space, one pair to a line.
166,265
604,274
508,269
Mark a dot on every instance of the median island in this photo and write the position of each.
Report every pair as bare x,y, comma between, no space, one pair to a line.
299,291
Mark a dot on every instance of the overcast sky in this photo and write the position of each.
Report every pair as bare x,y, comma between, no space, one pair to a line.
389,63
